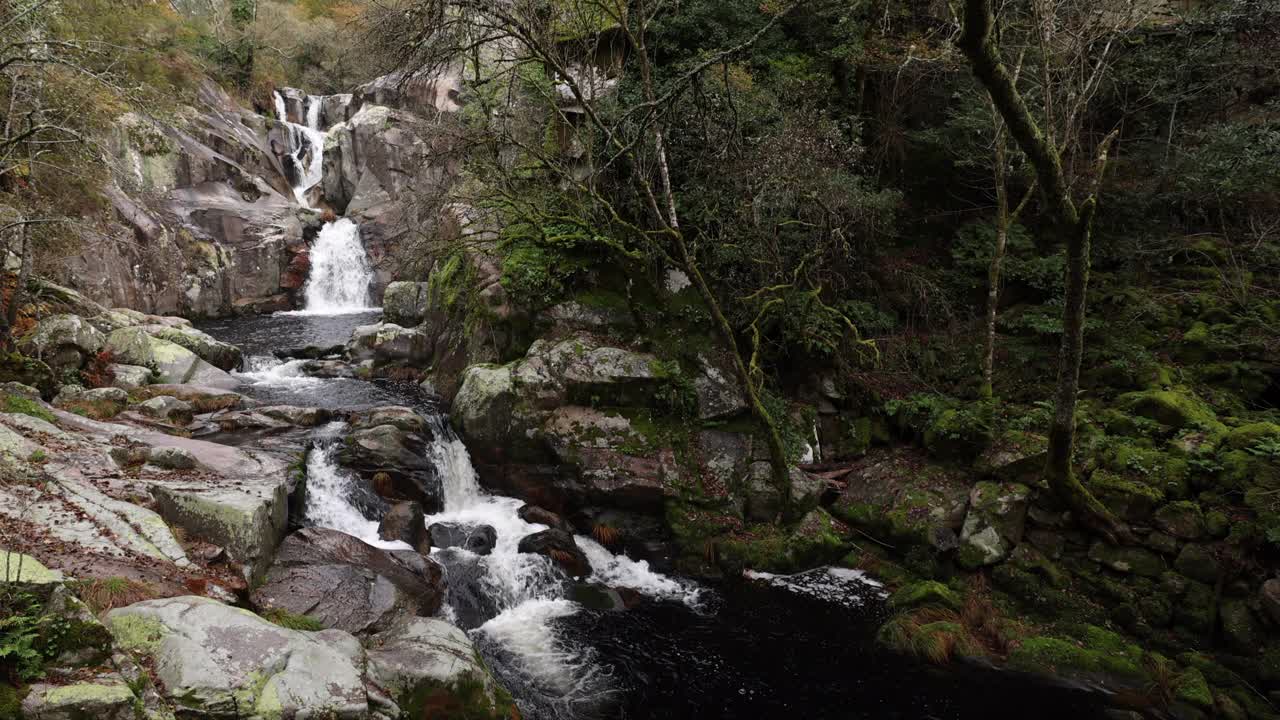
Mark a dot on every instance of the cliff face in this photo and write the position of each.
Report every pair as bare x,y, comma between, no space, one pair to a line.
204,219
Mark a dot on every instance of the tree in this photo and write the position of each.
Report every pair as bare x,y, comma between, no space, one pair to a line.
618,113
1075,224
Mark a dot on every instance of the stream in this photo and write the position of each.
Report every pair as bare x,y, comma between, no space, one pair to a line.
763,647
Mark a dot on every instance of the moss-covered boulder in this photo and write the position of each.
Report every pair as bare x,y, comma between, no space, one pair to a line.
1128,560
107,697
1013,456
221,355
898,494
924,593
1175,408
214,660
1094,656
1183,519
432,670
172,363
63,341
1129,498
1198,562
1240,628
994,522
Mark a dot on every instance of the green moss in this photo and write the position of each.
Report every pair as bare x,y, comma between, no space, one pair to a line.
23,406
1126,497
1246,436
10,702
292,621
1175,408
136,633
468,698
1098,651
925,592
1190,687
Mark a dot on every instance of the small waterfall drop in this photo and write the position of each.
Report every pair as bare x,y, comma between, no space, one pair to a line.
340,272
306,146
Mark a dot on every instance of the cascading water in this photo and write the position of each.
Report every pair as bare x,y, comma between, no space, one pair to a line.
340,274
306,146
524,592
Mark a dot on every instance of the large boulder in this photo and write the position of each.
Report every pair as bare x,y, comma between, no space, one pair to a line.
892,492
406,303
561,548
994,523
386,343
221,355
764,499
478,539
63,341
348,584
399,458
405,522
173,363
482,410
217,661
425,663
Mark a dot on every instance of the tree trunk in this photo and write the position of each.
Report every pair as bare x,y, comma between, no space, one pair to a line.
10,318
979,46
993,303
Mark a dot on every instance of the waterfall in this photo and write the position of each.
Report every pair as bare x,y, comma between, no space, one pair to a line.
329,491
340,272
306,145
527,591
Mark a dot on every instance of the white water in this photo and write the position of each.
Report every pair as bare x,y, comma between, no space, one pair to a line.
528,590
306,146
340,272
327,502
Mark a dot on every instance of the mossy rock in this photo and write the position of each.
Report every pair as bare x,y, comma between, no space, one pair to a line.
1247,436
1095,655
1183,519
814,540
1198,562
1194,611
924,593
15,367
1241,630
1135,560
1174,408
1130,499
1190,687
959,433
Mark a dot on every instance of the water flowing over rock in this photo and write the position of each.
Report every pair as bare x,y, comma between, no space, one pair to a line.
340,273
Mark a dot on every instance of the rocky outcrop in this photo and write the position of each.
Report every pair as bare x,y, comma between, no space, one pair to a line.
349,585
218,661
394,462
172,363
63,341
420,663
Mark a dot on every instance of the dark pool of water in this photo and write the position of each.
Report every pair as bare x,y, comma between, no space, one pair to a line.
753,651
765,652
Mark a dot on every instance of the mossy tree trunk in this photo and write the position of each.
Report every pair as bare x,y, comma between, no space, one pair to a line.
1076,225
